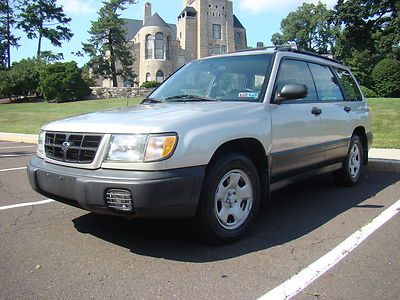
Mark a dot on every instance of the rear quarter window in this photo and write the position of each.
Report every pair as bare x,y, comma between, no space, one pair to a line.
349,85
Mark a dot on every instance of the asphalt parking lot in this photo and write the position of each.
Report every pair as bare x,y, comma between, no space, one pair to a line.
56,251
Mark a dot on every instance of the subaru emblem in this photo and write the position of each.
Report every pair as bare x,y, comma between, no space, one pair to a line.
65,146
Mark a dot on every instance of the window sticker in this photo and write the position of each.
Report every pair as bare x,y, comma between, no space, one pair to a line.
253,95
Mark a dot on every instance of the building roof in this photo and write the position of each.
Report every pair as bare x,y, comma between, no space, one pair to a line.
236,23
189,9
155,20
133,26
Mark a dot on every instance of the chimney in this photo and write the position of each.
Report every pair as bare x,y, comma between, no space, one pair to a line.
147,12
260,45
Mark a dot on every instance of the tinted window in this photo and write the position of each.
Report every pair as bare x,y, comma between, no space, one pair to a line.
349,85
295,72
328,88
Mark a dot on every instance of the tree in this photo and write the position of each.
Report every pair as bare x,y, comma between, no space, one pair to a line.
7,39
44,19
386,78
63,82
309,27
108,46
369,32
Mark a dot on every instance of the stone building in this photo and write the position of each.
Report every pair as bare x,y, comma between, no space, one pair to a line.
204,28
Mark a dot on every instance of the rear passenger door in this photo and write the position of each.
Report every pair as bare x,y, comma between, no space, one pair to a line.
296,127
357,110
336,120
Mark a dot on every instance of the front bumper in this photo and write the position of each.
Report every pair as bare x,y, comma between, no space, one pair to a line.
160,194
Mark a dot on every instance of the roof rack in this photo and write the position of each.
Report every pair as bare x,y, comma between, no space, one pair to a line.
277,47
309,53
294,49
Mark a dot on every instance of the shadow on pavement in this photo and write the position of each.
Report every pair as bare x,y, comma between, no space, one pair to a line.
296,210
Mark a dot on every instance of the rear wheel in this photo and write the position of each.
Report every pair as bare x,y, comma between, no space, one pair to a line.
230,198
351,169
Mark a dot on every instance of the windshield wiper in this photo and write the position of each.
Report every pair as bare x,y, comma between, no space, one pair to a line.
185,98
152,100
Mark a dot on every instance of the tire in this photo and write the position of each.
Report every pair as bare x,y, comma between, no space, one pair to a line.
230,199
352,166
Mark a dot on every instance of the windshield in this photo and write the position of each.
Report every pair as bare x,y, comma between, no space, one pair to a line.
230,78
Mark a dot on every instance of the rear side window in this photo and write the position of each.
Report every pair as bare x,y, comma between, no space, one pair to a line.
328,88
349,85
295,72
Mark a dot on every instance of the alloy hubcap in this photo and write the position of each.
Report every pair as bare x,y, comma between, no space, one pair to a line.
233,199
354,161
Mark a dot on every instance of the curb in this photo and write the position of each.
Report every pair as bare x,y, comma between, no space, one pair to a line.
383,165
19,137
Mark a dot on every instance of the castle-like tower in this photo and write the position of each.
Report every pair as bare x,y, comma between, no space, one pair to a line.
208,27
204,28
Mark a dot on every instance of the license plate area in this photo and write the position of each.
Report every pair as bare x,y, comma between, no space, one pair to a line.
56,184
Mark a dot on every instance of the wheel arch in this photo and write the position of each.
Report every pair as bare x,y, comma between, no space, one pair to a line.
250,147
360,132
255,151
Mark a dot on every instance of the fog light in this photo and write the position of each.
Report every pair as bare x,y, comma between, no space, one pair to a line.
119,199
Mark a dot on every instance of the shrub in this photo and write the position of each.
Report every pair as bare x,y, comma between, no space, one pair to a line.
150,84
21,80
61,82
386,78
368,92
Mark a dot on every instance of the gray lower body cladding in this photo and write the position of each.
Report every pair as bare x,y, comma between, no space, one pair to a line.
158,194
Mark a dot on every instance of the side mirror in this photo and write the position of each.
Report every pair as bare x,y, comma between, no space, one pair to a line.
292,91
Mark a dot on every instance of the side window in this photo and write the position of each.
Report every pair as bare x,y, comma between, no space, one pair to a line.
295,72
328,87
349,85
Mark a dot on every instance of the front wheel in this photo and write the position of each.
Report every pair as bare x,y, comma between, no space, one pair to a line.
351,169
230,198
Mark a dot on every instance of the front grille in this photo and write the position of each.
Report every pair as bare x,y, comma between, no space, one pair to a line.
79,149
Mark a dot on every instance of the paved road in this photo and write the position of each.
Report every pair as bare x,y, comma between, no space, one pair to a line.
56,251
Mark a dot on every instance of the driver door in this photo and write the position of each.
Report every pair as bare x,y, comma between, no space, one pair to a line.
296,125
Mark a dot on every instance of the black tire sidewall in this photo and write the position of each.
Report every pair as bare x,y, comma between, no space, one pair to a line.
211,228
348,179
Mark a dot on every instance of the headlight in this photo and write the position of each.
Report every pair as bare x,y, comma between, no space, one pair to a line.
141,148
127,148
40,145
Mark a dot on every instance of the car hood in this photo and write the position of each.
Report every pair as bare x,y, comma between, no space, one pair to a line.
150,118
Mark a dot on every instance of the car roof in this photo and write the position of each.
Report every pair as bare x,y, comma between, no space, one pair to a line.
286,51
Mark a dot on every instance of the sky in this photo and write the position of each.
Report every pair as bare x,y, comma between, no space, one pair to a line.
261,18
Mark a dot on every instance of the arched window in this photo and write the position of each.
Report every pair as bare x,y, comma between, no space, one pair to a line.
148,77
167,47
160,76
159,46
149,44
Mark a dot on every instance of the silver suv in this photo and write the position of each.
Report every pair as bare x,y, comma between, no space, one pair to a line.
211,142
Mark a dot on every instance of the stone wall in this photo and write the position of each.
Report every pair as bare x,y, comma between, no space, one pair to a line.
119,92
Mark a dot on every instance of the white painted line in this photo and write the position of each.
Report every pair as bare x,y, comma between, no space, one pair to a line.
15,155
33,146
26,204
13,169
305,277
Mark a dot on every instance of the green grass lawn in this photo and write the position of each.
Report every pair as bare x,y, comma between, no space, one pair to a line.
29,117
385,122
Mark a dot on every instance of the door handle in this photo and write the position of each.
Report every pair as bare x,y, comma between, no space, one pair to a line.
316,111
347,109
